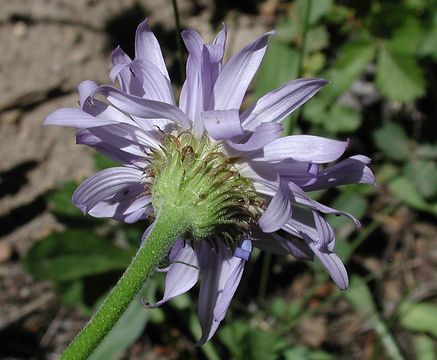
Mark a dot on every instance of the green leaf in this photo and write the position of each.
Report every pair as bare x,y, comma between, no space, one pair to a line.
70,293
304,353
427,151
392,140
423,175
407,37
404,190
279,65
360,297
429,42
249,343
74,254
421,317
102,162
425,348
350,65
317,39
398,76
341,119
60,202
316,12
350,202
127,329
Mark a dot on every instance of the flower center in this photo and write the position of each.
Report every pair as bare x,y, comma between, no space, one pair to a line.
194,177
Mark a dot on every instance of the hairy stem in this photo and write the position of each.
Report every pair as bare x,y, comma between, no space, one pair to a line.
168,226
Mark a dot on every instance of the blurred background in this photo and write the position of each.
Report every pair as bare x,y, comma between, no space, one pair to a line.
56,265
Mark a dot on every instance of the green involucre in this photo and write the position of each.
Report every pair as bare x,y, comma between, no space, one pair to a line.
196,179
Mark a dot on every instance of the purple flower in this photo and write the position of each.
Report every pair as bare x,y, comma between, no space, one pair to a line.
131,128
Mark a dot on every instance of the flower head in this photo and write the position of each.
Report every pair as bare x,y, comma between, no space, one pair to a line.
238,182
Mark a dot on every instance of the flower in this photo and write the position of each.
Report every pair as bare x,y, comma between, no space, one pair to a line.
238,181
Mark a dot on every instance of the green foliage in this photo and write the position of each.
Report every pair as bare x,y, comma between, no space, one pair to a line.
246,342
398,76
392,140
127,329
361,298
419,316
73,254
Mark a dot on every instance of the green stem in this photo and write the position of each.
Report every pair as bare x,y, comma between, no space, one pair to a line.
302,52
168,226
178,40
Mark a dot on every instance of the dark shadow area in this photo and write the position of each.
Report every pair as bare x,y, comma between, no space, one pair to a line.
19,344
221,8
22,215
14,179
121,29
96,286
121,32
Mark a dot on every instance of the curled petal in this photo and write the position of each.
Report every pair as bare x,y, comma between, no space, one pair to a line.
278,212
144,108
349,171
84,136
128,205
280,245
298,196
104,185
306,224
120,60
278,104
222,124
334,266
263,135
85,89
182,274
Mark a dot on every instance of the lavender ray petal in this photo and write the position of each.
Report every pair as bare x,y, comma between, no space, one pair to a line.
104,111
85,89
279,245
298,196
263,135
147,48
116,70
301,173
277,213
334,266
236,75
118,56
85,137
154,84
144,108
220,281
303,225
278,104
303,148
349,171
126,137
182,274
265,178
191,98
75,118
222,124
120,60
104,185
